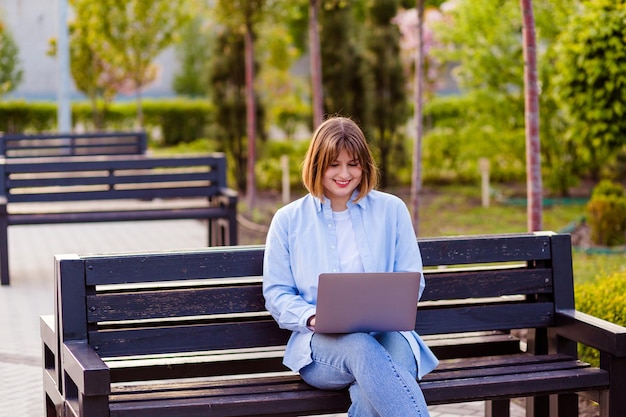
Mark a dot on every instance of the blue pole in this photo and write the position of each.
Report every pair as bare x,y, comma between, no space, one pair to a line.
64,111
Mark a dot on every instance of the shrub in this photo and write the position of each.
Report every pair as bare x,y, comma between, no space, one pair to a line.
269,169
606,214
604,298
179,120
607,188
20,116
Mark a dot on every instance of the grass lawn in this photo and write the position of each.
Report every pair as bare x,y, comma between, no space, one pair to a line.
457,210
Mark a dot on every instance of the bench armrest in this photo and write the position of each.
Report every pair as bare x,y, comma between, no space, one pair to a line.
85,368
591,331
229,193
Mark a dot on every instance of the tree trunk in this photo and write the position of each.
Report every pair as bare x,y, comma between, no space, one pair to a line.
250,115
316,63
416,177
531,95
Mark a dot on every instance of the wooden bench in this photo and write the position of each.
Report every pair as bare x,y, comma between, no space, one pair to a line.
115,188
73,144
186,334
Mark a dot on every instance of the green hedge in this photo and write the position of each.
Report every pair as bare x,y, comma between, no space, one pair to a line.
168,121
604,298
21,116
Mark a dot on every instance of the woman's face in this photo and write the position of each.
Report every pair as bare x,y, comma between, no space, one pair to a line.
341,178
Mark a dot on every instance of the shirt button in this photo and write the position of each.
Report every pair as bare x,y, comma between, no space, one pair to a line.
330,225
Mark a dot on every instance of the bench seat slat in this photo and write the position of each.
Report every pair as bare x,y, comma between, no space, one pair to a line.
509,382
299,402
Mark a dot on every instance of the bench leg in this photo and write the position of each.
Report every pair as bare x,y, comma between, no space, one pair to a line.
4,250
617,382
538,406
498,408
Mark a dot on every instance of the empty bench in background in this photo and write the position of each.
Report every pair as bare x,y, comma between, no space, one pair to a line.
73,144
116,188
186,334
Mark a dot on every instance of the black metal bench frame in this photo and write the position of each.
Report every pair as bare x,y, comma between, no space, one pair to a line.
186,334
73,144
116,188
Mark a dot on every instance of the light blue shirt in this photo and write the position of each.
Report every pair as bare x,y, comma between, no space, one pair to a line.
302,243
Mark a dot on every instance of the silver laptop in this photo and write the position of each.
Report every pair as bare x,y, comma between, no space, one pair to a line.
366,302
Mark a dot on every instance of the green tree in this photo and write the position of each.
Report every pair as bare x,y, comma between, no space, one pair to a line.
129,34
227,81
244,17
315,57
590,83
343,78
93,76
481,39
389,101
10,70
194,53
285,95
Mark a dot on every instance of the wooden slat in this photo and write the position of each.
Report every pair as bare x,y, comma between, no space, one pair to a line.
111,162
212,366
141,305
176,213
189,265
470,318
469,344
484,249
46,145
187,338
487,283
93,178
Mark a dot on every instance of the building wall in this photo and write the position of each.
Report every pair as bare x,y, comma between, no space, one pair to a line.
33,23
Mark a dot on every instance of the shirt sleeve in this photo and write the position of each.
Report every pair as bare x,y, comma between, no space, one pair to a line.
407,253
282,297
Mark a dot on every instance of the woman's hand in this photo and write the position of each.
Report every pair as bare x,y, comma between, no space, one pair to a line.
310,323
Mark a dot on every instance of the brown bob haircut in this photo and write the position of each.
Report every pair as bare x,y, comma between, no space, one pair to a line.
331,137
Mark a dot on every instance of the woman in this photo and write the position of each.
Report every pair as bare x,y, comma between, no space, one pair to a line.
344,225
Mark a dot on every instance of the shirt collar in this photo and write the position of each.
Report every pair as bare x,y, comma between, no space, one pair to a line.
361,203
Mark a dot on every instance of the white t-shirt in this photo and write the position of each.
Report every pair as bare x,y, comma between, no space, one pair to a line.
350,260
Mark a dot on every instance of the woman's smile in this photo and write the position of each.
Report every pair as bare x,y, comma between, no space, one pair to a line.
341,178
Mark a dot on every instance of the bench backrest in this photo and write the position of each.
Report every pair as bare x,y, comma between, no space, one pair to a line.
73,144
211,299
68,179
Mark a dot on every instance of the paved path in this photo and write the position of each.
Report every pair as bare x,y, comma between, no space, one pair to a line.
31,252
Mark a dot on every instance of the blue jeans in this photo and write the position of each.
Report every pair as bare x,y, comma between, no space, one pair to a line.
379,368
